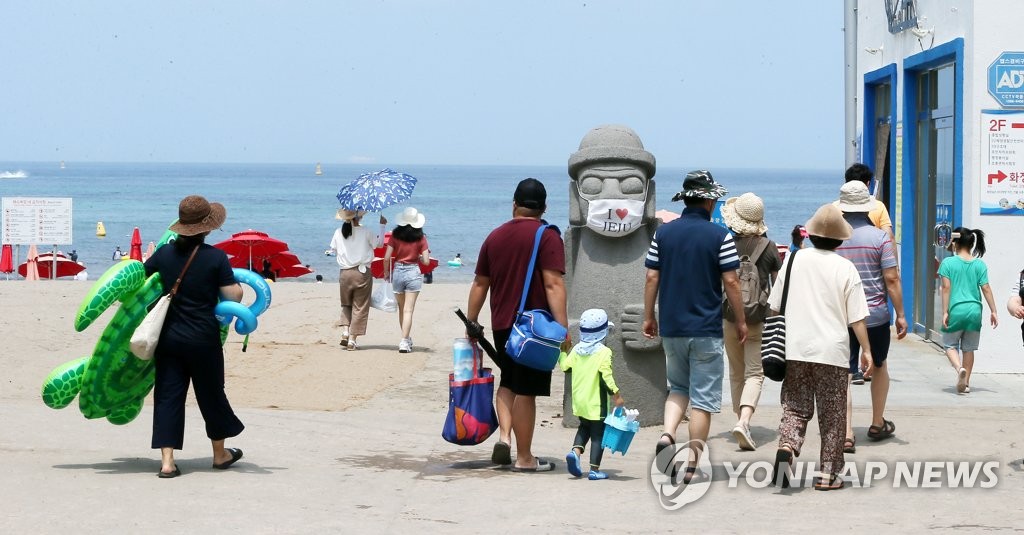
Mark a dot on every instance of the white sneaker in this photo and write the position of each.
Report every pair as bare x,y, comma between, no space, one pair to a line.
742,436
961,380
405,346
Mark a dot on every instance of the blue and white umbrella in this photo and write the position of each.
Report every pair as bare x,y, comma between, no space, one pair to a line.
376,191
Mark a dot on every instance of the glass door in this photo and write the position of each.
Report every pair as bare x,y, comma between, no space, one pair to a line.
935,206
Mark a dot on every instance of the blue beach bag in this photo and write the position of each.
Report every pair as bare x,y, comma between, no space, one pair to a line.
536,337
471,418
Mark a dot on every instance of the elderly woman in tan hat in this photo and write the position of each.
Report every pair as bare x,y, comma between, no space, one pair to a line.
825,300
759,265
353,245
190,348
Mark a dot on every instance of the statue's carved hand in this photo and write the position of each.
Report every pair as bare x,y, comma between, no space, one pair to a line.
631,327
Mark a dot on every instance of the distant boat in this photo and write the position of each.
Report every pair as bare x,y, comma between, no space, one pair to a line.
14,174
319,171
101,231
62,164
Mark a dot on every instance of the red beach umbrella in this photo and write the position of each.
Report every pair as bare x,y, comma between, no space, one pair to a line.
30,269
277,261
252,245
44,266
6,259
293,271
135,253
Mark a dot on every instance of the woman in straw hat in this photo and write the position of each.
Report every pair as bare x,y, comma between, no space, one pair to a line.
744,215
408,249
825,300
353,245
190,347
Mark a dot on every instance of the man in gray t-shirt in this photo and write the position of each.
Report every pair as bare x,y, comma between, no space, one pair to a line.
872,252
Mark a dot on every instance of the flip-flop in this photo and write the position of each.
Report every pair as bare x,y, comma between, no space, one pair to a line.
502,453
168,475
236,454
542,466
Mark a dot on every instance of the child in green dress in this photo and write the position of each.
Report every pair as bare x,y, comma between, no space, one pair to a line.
592,383
964,280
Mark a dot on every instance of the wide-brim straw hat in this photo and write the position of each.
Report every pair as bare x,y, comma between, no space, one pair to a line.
828,222
196,215
745,214
855,197
412,217
348,215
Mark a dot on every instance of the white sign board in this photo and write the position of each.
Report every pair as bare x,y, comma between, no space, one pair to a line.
1002,162
38,220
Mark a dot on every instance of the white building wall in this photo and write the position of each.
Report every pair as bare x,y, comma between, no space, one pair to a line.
989,28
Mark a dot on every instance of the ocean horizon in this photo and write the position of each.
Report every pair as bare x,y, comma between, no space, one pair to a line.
462,203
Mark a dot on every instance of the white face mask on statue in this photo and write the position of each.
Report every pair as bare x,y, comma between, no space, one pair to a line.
615,217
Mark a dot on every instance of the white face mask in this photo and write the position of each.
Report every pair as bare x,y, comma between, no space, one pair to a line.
615,217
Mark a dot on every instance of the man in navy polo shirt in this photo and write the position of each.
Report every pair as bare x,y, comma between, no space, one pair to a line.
689,261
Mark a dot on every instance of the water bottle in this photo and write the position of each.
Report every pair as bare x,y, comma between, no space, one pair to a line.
462,359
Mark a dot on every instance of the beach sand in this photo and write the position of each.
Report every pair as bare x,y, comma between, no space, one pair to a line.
293,359
340,441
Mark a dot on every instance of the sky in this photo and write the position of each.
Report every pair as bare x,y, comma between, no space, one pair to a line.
747,84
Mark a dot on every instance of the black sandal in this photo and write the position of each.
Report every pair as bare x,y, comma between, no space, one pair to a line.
879,432
850,445
671,442
782,457
665,465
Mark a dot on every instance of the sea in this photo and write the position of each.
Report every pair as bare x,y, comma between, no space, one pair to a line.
462,203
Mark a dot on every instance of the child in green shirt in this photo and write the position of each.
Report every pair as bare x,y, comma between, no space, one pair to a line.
592,382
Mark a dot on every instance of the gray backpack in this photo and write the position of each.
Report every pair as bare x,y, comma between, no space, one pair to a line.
753,290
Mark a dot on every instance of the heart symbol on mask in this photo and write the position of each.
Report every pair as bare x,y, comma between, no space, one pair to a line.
622,213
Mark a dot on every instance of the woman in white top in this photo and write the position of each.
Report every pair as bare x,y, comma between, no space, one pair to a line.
354,245
825,297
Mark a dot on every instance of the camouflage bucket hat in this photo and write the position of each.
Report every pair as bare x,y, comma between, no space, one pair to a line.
700,185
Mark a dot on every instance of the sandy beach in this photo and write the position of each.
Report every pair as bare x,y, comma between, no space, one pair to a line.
343,441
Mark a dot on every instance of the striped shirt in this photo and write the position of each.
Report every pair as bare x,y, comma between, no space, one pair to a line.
871,251
691,253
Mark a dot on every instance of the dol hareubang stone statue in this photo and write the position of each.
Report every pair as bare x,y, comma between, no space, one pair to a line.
611,224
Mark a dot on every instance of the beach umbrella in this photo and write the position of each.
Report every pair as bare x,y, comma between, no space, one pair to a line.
135,252
277,261
6,259
30,269
376,191
665,215
293,271
44,266
251,245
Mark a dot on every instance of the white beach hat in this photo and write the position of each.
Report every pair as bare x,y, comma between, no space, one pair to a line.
855,197
412,217
745,215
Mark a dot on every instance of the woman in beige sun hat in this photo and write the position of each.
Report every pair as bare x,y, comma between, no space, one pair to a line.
744,215
354,245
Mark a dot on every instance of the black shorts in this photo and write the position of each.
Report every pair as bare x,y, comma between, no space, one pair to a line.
879,338
521,380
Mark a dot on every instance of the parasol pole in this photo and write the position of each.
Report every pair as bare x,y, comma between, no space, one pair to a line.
53,266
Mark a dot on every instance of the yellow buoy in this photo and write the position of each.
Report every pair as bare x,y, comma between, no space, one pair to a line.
101,231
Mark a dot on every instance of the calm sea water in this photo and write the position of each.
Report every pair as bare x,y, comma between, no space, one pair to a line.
461,203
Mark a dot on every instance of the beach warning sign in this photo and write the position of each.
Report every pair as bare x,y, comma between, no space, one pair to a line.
1002,162
36,220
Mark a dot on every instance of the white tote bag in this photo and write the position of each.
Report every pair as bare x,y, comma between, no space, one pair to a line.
147,335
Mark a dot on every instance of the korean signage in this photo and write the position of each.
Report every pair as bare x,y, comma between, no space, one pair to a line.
37,220
1006,79
1002,162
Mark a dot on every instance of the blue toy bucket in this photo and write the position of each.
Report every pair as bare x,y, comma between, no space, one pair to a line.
618,431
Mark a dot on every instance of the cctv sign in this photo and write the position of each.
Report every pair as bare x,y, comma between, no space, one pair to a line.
1006,79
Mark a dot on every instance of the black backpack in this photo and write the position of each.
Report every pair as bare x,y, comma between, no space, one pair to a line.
753,290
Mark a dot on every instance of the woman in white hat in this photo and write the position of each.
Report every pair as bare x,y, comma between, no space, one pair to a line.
759,265
408,249
353,246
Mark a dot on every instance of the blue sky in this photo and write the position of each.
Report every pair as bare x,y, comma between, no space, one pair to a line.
704,83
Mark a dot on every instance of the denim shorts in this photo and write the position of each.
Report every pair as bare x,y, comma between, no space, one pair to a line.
964,340
694,367
406,278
